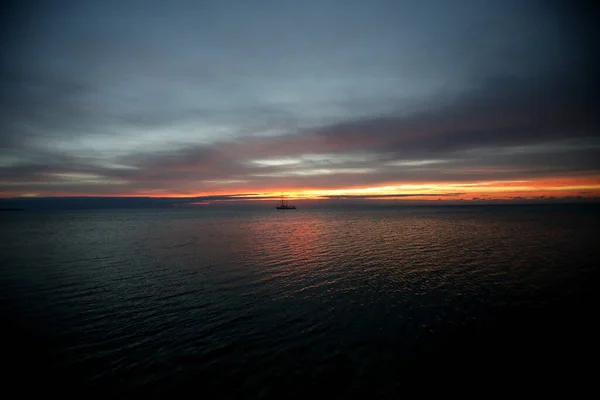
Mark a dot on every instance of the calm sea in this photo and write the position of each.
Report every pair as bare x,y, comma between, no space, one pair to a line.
261,303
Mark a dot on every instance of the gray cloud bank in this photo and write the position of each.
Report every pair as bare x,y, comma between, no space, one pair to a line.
157,98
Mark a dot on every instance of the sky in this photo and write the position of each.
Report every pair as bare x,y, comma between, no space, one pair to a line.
379,99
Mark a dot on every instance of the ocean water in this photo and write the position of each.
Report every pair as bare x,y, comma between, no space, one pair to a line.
261,303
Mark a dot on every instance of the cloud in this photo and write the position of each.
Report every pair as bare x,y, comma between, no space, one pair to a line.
159,107
509,133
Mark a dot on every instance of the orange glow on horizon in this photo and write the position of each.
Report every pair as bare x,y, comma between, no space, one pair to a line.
586,187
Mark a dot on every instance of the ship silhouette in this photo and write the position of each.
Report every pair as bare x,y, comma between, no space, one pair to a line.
284,205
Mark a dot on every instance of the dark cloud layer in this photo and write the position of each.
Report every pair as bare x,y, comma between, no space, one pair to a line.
190,97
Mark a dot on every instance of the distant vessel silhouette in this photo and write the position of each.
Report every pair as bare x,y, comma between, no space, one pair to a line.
284,205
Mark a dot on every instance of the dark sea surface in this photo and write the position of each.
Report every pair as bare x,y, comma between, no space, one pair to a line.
261,303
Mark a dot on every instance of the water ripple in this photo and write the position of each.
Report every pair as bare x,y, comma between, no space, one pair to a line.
239,298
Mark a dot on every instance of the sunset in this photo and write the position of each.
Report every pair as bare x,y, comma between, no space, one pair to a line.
145,99
297,199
